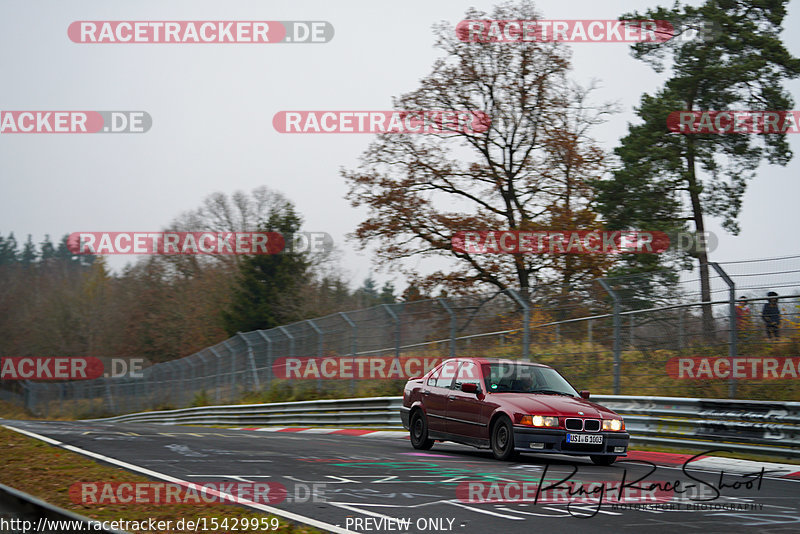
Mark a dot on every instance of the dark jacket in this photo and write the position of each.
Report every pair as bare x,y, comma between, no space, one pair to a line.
771,314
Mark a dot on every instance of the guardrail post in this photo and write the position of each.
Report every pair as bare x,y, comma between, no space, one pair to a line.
617,332
732,348
320,347
353,347
453,320
252,359
266,337
526,324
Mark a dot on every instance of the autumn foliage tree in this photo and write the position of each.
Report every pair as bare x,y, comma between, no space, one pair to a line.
526,172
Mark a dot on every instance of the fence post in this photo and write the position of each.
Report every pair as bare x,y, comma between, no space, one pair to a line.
109,396
263,334
526,324
192,389
233,369
252,359
218,378
681,328
288,334
617,332
320,347
631,326
291,340
353,347
589,331
453,319
732,348
203,369
394,316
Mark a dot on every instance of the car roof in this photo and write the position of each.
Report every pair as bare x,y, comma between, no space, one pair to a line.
497,360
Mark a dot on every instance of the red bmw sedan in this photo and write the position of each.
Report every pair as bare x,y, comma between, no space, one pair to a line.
509,406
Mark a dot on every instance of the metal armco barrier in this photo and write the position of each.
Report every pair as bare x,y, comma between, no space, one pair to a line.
381,412
757,427
41,516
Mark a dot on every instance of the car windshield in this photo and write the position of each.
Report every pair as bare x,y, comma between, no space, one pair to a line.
513,377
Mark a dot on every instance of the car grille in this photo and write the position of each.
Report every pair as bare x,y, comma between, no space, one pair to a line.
576,425
573,424
591,425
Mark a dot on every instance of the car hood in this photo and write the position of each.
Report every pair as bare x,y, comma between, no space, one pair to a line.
551,405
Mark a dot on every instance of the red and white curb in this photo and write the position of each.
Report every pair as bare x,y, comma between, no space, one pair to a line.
667,459
340,431
734,466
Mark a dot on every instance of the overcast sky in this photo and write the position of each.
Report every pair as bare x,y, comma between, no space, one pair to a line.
212,107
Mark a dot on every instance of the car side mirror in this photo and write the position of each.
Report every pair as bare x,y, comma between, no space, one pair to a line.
585,394
469,387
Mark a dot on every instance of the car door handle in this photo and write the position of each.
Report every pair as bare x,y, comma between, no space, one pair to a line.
452,397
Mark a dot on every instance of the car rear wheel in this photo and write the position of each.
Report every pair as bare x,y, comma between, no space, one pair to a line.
603,460
502,439
419,432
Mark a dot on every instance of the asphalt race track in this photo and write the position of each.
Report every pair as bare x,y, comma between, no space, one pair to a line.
362,482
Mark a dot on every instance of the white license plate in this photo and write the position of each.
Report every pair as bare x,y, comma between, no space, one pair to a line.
592,439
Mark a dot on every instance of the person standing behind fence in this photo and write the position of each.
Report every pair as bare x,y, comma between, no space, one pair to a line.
771,315
742,316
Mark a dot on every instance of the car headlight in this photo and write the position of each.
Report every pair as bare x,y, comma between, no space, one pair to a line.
613,424
538,420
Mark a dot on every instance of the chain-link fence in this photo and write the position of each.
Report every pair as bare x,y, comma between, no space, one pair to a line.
627,335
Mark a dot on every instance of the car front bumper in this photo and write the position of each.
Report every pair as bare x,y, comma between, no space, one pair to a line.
546,440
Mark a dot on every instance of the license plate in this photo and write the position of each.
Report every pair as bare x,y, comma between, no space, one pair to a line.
591,439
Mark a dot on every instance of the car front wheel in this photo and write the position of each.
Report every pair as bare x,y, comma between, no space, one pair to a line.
603,460
502,439
419,432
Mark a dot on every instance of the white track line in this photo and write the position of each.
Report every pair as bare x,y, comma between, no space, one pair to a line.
155,474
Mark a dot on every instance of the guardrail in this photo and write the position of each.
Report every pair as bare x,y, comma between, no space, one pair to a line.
756,427
20,512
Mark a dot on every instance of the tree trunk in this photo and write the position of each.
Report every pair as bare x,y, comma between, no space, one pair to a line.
700,253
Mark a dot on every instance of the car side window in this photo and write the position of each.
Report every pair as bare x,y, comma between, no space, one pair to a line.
468,373
442,377
433,379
